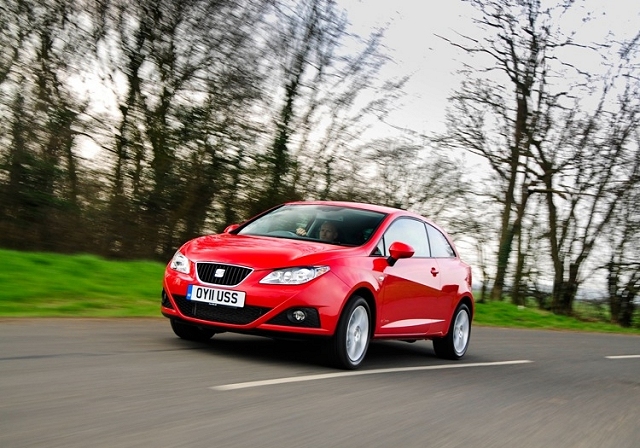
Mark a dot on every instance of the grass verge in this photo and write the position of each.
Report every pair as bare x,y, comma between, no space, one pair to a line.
36,284
47,285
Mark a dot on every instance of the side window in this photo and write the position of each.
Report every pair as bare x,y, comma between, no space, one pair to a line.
379,250
408,231
440,247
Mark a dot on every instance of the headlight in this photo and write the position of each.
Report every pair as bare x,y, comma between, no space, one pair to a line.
180,263
294,276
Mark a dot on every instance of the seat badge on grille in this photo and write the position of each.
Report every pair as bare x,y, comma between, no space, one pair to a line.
219,273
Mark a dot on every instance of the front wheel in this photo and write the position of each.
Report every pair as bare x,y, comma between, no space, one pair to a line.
351,341
454,344
191,332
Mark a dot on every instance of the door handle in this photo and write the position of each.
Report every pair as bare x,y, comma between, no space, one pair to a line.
434,271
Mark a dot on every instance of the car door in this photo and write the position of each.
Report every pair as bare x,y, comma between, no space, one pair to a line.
410,288
451,275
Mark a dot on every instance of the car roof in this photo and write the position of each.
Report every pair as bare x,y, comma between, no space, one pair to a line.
360,205
363,206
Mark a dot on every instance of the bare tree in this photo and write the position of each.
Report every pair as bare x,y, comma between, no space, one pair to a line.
190,73
623,268
189,120
13,34
404,174
505,108
43,189
584,198
329,96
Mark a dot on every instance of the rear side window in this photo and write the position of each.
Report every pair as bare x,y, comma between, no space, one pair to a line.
408,231
440,247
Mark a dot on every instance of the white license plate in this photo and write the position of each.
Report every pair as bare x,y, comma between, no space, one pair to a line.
216,296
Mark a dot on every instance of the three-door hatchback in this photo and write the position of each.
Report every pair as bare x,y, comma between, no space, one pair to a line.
340,271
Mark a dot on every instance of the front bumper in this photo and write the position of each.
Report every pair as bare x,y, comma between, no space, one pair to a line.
268,308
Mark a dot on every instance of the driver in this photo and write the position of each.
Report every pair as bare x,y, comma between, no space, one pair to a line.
328,232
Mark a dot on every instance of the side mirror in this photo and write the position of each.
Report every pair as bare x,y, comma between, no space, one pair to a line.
231,228
399,250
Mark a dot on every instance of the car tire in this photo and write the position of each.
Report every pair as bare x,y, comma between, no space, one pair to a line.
191,332
351,340
454,345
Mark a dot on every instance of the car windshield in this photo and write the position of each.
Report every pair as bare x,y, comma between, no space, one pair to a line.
326,223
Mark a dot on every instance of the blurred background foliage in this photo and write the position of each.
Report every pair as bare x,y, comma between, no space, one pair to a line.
129,127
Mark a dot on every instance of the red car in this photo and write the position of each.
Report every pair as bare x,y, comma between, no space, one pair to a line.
342,271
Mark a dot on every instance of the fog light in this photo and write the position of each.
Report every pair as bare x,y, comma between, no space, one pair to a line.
299,315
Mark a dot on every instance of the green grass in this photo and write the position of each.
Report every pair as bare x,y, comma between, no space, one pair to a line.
44,285
52,285
505,314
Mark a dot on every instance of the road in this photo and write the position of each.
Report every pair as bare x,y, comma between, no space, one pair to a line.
132,383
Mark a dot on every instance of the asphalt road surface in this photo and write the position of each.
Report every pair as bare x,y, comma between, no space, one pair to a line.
132,383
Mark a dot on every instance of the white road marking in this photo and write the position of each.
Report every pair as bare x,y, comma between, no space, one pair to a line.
623,357
326,376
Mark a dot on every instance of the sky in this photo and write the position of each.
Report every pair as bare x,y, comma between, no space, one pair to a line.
413,26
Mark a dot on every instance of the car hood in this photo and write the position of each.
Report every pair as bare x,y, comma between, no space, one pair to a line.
258,252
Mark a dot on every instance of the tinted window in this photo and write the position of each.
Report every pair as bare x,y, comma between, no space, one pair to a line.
440,247
408,231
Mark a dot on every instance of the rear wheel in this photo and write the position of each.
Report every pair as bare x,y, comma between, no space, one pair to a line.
454,345
191,332
351,341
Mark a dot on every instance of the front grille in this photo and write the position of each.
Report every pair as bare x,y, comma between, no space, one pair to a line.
221,274
216,313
